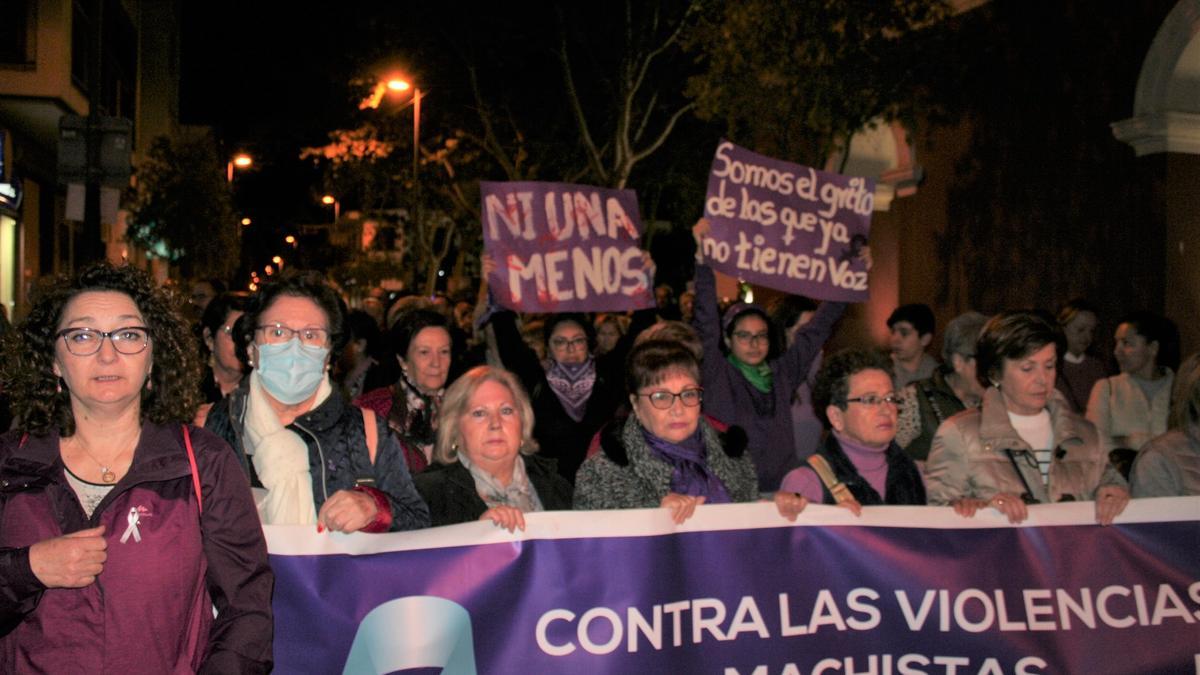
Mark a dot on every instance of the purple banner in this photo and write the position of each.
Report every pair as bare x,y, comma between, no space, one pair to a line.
564,248
787,226
740,591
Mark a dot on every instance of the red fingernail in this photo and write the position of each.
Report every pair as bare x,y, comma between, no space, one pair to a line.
320,528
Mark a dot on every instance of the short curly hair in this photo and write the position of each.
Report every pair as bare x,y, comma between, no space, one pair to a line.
299,284
833,379
28,370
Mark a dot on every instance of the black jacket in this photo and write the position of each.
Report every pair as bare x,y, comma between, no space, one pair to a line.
449,490
337,453
559,436
904,484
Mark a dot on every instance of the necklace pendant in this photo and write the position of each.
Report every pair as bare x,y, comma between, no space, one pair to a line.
107,475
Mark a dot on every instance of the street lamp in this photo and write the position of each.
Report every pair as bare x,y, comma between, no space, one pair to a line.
329,200
238,161
400,84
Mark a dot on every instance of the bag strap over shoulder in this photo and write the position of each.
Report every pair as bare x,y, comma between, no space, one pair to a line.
371,431
187,442
841,493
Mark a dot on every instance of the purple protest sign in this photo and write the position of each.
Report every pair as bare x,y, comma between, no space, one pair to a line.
787,226
737,590
560,247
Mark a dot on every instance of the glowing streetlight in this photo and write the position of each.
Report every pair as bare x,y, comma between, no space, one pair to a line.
277,260
290,240
330,200
246,221
239,161
397,84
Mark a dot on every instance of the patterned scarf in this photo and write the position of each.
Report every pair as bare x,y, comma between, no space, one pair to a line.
519,493
758,376
416,422
572,384
692,475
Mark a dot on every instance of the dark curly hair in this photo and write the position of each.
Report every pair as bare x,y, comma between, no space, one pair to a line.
833,380
300,284
28,370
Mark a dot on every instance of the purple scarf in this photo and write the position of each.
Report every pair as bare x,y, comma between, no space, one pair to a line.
572,384
692,475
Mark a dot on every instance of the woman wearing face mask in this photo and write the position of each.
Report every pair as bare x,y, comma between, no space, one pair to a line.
745,382
421,340
319,459
1131,408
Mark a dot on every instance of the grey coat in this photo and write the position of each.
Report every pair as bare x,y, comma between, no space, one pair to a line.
625,475
1168,466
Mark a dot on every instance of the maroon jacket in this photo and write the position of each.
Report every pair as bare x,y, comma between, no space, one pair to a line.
151,609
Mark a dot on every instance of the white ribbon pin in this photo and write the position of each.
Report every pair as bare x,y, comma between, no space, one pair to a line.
133,527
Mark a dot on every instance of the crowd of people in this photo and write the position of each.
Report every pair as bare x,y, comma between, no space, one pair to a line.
132,423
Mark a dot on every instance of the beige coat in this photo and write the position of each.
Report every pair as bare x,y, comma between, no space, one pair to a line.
970,457
1122,415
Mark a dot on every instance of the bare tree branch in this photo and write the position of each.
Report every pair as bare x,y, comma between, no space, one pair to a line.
594,158
662,137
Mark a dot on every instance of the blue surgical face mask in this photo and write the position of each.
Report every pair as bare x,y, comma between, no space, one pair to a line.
291,371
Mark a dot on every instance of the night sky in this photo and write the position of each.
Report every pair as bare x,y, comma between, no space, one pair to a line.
270,82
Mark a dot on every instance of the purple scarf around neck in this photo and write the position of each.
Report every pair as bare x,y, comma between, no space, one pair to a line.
691,475
572,384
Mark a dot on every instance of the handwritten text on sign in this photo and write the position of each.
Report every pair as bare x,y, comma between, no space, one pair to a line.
787,226
564,248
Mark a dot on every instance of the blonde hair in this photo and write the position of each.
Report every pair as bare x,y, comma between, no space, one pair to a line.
454,406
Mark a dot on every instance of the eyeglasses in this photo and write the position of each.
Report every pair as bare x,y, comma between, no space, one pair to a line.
748,338
129,340
663,400
874,400
278,334
565,344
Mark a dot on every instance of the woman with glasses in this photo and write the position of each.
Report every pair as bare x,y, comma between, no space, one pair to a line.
665,455
573,392
859,464
953,388
486,466
225,367
747,382
122,527
1023,445
319,459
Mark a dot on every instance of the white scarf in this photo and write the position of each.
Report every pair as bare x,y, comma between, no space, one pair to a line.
519,493
280,458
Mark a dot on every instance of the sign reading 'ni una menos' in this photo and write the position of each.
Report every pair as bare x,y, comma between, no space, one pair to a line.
560,247
787,226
